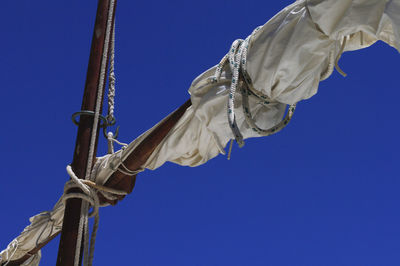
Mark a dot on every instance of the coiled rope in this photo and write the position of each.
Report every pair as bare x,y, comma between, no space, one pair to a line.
237,59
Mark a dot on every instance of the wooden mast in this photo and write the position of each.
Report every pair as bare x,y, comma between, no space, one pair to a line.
134,161
69,233
138,157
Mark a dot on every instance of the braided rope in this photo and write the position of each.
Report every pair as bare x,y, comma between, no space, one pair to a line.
125,170
111,78
90,197
237,58
83,229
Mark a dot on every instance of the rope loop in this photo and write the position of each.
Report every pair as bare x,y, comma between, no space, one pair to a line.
89,193
237,60
120,166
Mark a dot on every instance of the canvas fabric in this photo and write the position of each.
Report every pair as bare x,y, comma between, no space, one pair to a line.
286,59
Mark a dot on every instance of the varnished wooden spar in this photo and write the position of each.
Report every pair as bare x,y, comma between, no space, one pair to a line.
138,157
69,233
134,161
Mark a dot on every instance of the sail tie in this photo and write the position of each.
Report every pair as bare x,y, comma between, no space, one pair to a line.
89,195
237,59
90,198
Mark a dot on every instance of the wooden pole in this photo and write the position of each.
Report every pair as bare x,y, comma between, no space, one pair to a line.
134,161
69,233
138,157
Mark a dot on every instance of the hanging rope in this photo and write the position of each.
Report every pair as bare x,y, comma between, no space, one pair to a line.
121,167
90,188
111,80
111,95
89,196
237,58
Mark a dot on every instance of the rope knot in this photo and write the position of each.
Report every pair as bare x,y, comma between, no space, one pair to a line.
88,193
237,61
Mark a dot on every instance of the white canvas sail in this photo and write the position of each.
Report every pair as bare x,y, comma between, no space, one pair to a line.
286,59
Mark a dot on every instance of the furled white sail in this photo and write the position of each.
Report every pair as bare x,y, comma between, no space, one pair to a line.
284,61
287,59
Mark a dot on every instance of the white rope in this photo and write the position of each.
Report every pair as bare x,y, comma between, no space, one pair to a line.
103,189
83,230
237,58
125,170
90,196
111,78
111,92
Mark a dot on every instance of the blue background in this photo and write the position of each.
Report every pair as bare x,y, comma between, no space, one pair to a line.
324,191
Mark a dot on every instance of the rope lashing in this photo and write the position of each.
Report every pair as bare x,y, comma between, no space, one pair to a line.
237,58
89,194
83,229
125,170
89,197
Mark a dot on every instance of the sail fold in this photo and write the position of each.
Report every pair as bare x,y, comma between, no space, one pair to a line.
286,60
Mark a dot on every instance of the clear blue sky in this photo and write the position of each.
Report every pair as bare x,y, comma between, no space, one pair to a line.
323,192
